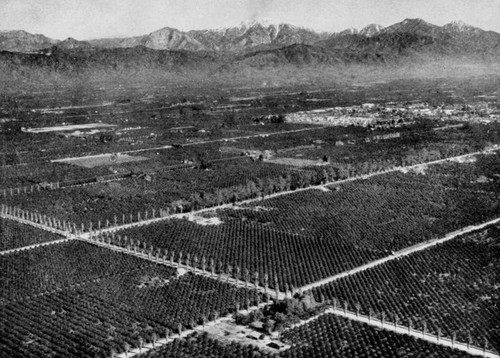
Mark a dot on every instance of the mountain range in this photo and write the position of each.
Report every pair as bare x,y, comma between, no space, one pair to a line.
248,36
256,44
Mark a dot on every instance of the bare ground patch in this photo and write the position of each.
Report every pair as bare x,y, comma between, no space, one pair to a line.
297,162
103,159
231,332
201,220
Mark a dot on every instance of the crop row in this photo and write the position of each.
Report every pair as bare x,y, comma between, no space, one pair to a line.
451,289
385,212
44,269
331,335
203,345
290,259
14,235
310,235
177,190
34,174
114,314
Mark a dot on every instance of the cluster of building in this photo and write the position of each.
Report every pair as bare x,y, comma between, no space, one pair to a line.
393,114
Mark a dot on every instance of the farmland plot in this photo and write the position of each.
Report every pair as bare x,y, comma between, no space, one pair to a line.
180,189
14,235
54,267
453,288
289,258
202,345
74,300
310,235
387,212
332,335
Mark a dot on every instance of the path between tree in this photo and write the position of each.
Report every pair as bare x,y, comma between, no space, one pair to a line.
37,225
404,252
222,277
34,246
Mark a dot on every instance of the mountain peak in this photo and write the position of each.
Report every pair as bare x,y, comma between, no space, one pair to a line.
349,31
169,38
259,22
415,26
409,20
71,43
22,41
165,29
459,26
371,30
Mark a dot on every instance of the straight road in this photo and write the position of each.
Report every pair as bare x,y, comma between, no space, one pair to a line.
397,255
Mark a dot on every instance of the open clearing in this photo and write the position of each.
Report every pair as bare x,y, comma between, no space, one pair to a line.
71,127
228,331
204,221
296,162
102,159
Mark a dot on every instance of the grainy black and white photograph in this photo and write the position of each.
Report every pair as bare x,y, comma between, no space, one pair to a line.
249,179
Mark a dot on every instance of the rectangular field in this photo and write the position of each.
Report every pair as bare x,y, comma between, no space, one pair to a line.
297,162
176,190
14,235
453,287
48,268
336,336
76,300
71,127
386,212
102,159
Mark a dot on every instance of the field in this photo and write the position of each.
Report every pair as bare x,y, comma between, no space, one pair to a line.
402,208
331,334
452,288
14,235
239,192
100,160
173,190
309,235
203,346
207,181
83,300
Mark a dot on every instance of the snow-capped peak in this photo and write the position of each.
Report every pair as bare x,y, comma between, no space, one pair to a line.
371,30
262,21
459,26
350,31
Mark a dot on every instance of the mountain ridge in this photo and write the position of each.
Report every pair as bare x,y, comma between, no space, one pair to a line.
259,46
245,37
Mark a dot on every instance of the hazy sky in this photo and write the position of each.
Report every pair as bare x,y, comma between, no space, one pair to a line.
87,19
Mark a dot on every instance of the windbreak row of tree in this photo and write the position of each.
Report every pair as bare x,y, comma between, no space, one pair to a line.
306,236
277,259
187,189
450,290
175,191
